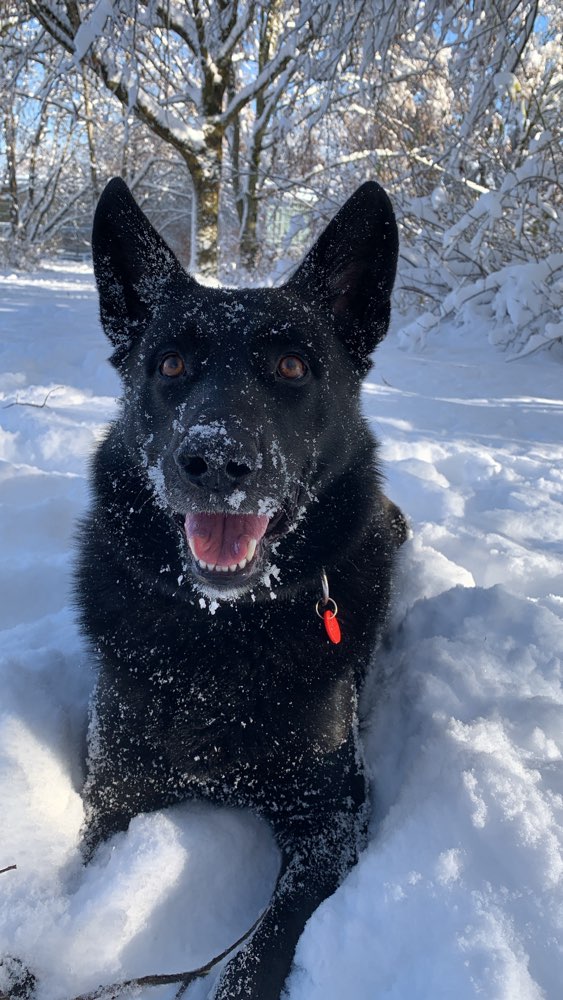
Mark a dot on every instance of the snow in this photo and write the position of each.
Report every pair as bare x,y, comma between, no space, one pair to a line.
459,890
92,28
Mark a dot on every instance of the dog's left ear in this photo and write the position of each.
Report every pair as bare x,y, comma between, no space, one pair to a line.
351,269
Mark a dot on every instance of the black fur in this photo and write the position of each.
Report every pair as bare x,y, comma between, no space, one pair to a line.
251,705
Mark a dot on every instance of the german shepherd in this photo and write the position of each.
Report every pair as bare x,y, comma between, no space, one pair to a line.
235,568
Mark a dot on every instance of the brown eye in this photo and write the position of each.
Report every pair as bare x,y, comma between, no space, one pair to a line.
291,367
172,366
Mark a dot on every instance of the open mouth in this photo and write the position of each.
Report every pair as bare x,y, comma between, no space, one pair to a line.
228,547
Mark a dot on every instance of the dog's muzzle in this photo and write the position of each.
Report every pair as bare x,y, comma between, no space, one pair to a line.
212,458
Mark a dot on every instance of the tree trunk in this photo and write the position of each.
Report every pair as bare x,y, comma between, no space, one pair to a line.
89,118
270,29
206,178
249,247
248,236
11,163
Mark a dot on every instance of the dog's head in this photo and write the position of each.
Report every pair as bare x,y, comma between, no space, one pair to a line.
238,404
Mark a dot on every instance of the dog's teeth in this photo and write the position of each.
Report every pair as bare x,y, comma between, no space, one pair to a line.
232,567
215,568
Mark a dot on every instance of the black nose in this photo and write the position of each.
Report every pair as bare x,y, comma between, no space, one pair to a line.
197,468
216,462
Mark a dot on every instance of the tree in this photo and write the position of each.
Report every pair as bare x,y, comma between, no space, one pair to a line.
277,110
198,72
37,114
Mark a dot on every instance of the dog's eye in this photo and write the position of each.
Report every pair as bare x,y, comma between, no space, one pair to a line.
172,366
291,367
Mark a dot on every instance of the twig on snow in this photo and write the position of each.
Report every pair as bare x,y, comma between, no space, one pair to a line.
10,868
38,406
184,979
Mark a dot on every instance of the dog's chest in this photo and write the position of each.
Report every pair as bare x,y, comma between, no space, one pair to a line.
231,711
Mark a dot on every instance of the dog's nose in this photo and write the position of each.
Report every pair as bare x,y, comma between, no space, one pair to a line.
198,469
216,463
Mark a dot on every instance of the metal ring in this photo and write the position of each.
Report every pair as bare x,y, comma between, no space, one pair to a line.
329,600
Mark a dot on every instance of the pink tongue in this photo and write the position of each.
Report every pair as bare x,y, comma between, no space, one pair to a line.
223,539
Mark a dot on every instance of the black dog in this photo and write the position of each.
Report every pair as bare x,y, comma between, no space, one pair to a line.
239,483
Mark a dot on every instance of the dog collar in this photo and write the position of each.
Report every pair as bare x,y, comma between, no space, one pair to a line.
328,616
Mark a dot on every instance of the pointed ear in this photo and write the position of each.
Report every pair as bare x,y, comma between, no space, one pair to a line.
351,269
132,265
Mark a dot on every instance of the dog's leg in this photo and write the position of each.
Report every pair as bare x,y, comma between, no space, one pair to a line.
124,776
318,850
100,826
310,875
110,806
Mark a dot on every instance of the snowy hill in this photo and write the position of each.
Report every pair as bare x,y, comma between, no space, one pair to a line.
459,892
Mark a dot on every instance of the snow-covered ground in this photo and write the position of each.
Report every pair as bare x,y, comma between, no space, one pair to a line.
459,893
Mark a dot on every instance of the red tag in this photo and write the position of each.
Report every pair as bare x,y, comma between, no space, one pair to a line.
332,627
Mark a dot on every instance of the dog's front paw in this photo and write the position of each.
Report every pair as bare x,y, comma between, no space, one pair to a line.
253,974
16,980
238,979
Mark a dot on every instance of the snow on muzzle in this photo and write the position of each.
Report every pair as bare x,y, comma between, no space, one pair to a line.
224,542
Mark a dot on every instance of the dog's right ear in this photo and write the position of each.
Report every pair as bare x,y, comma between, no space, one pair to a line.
132,265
